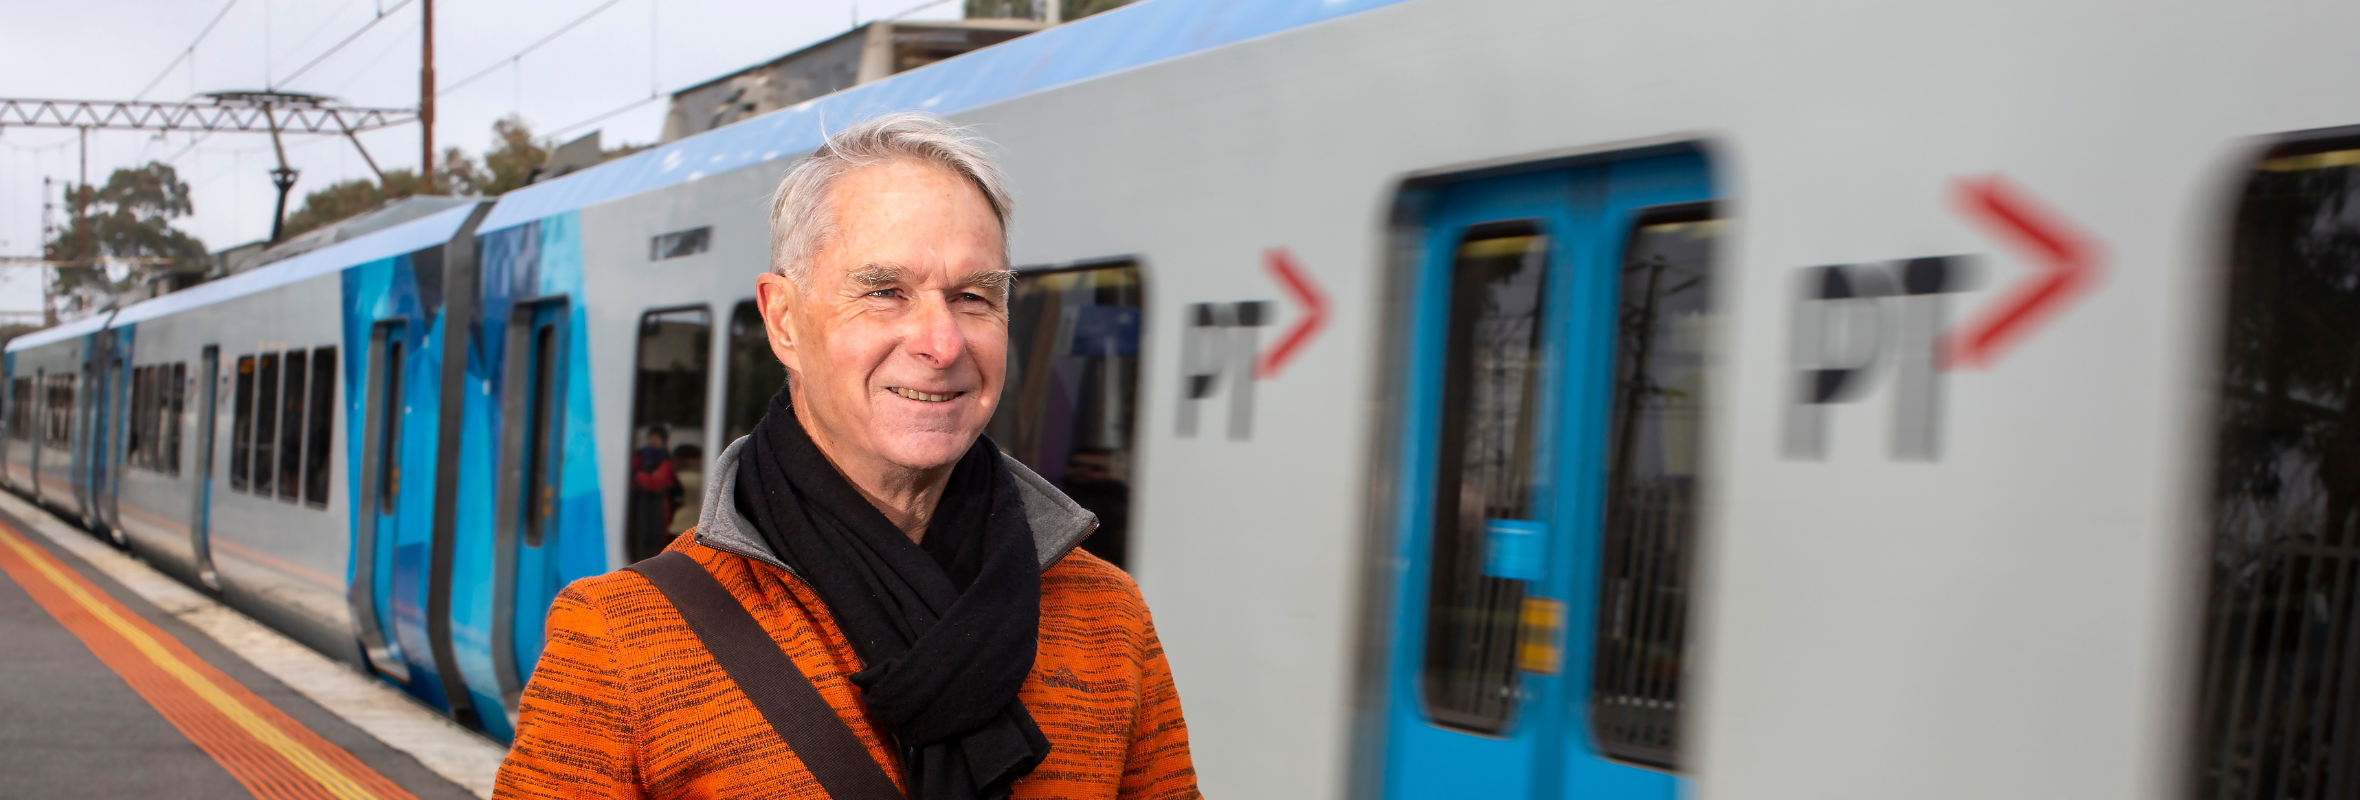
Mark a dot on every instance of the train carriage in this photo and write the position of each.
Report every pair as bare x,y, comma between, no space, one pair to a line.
1502,398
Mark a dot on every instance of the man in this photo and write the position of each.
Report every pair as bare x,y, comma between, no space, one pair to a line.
927,586
655,488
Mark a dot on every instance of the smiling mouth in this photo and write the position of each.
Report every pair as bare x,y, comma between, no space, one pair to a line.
922,396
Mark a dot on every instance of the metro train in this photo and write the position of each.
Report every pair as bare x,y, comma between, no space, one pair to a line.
1493,398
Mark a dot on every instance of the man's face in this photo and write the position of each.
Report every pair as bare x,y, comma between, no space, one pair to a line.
656,441
899,346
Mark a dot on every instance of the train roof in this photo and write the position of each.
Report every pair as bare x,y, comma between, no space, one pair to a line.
409,237
1132,36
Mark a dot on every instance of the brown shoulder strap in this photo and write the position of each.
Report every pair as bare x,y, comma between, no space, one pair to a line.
769,678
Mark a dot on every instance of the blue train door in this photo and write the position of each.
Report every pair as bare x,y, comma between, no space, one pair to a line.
200,527
377,522
1547,452
532,450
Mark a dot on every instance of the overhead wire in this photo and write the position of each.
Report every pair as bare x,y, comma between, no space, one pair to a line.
496,65
339,45
187,52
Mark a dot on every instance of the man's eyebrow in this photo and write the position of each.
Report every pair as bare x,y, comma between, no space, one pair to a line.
998,280
875,275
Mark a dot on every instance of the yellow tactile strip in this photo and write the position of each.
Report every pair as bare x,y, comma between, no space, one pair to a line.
269,752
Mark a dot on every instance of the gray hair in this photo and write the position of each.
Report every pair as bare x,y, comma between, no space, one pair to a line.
800,217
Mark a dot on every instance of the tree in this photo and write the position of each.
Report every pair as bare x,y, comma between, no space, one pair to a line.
344,199
128,220
514,154
508,165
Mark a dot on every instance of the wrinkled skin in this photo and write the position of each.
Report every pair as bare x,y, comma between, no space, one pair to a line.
907,297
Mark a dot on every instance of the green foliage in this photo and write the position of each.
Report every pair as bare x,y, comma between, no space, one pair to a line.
507,166
514,154
344,199
128,219
621,150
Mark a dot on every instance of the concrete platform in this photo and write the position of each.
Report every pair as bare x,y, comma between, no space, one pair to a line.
106,692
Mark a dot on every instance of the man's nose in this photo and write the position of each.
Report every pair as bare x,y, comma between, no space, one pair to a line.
934,335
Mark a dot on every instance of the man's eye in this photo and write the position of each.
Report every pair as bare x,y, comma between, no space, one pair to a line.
885,293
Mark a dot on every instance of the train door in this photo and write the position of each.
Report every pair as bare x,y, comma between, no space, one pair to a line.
1547,455
377,519
84,439
532,450
200,527
114,415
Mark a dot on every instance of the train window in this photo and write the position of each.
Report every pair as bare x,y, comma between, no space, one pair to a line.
2281,642
319,426
1484,473
754,373
297,369
389,465
61,410
152,439
176,394
20,409
241,435
680,243
1655,432
1073,390
540,490
266,422
136,434
665,481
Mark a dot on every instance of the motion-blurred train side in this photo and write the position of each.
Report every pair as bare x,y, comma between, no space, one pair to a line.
1496,398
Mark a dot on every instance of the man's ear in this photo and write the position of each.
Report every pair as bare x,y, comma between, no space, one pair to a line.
776,296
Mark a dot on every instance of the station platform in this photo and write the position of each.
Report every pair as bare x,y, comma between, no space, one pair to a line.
106,692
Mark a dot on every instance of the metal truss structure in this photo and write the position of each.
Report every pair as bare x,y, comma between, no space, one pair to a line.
272,112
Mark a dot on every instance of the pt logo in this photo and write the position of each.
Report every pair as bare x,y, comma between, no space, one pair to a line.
1853,321
1221,349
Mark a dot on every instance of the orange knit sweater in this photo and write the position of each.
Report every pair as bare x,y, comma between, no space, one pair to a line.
626,703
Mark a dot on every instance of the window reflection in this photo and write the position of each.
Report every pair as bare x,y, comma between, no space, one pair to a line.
2278,717
1072,390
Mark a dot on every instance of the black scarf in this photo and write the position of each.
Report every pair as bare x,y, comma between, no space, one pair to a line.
947,629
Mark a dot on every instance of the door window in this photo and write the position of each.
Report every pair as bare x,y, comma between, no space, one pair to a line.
2281,641
540,428
389,465
1072,390
1486,545
668,426
754,373
1655,433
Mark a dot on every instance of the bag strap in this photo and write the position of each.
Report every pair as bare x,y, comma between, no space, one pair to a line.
768,677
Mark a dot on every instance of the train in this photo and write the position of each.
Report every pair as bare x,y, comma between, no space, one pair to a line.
1492,398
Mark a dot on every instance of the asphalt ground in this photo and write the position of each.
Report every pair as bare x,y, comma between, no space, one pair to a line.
104,695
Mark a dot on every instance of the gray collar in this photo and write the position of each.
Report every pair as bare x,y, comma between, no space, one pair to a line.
1058,524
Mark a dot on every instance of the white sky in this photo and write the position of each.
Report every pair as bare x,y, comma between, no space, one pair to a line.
109,49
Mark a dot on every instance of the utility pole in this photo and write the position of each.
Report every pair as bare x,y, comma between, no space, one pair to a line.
82,205
426,101
281,177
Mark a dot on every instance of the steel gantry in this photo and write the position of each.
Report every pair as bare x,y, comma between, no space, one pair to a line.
242,111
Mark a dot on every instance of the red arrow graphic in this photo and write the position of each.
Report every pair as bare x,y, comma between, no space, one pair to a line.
1315,306
2071,262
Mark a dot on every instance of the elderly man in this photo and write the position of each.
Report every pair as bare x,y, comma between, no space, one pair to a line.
870,543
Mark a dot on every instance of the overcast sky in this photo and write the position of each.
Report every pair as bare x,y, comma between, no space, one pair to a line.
112,49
